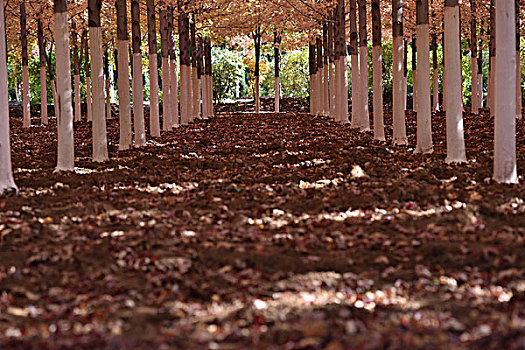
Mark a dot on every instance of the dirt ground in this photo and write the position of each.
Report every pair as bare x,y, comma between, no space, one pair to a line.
269,231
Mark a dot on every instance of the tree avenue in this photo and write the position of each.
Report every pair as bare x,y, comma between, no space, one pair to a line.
291,25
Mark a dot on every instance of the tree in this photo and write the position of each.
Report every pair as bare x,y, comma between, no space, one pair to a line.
454,111
174,90
164,50
43,82
424,122
137,86
7,182
400,137
65,156
26,108
123,75
505,168
153,70
100,147
379,128
364,124
185,70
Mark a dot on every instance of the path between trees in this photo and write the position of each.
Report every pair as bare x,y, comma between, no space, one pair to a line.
262,231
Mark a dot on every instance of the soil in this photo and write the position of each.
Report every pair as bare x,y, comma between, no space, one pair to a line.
269,231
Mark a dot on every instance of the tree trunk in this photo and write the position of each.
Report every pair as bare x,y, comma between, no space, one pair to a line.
326,93
257,42
480,71
7,182
377,68
107,83
137,86
363,66
174,89
357,110
208,76
164,51
505,168
89,101
400,135
200,78
154,121
185,70
100,147
276,56
474,104
331,67
123,75
43,82
518,60
76,73
444,83
26,108
194,76
492,58
320,70
424,114
405,74
413,45
341,73
455,138
435,77
312,68
65,151
56,107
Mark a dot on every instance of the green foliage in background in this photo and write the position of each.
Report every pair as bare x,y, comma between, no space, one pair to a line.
228,72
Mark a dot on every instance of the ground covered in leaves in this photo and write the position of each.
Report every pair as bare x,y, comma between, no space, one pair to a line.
270,231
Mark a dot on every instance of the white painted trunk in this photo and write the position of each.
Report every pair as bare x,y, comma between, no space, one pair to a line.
312,94
108,99
414,90
398,100
154,120
89,101
7,183
332,88
343,88
480,90
405,92
138,101
356,92
76,82
166,95
326,91
204,93
435,90
455,138
364,125
56,107
196,109
43,96
505,168
26,109
377,68
424,115
518,85
492,80
65,151
185,94
257,95
174,95
474,104
123,95
100,145
210,96
277,93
